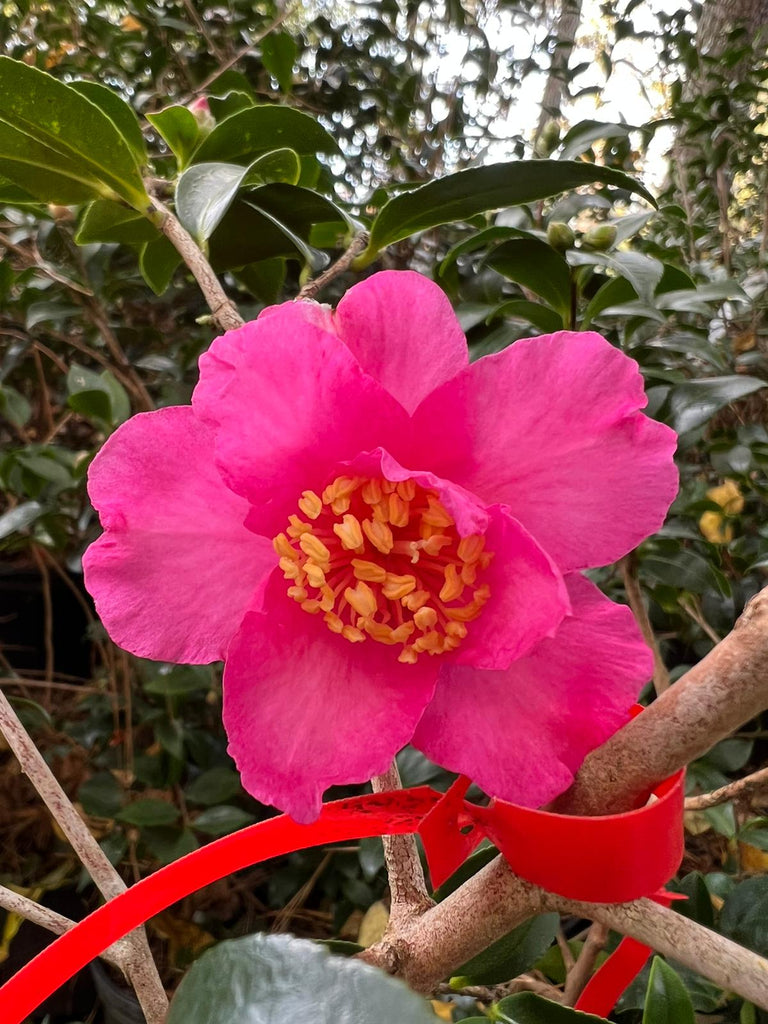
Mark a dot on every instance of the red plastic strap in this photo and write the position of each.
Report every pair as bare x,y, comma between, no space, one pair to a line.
602,992
608,859
341,821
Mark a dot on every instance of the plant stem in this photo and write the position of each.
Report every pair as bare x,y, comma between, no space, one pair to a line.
223,310
407,887
356,246
628,566
741,787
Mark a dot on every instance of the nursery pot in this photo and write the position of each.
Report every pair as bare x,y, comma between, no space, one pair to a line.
120,1004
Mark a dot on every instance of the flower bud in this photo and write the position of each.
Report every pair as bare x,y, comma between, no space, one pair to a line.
559,235
600,238
549,136
206,122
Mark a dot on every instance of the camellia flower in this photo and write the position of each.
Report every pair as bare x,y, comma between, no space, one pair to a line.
384,542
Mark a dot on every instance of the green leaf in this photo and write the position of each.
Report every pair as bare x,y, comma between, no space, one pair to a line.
527,1008
613,292
686,570
98,395
107,221
204,194
278,53
694,402
179,681
460,196
122,116
666,1000
314,258
167,843
14,406
535,265
279,165
101,795
261,978
59,145
220,821
512,955
643,272
148,812
477,241
546,319
19,518
215,786
261,129
744,916
158,261
179,127
579,138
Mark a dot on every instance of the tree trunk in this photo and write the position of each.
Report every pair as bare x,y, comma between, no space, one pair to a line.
568,21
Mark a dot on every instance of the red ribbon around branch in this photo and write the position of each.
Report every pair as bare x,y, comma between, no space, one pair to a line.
608,859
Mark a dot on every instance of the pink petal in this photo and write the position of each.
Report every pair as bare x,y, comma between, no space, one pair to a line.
402,329
304,709
287,400
522,733
175,568
551,427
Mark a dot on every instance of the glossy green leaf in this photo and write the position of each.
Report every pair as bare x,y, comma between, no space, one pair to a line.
643,272
122,116
477,241
579,138
215,786
60,146
19,518
615,291
744,916
98,395
536,266
168,843
101,795
527,1008
204,194
512,955
694,402
279,165
179,681
314,258
278,53
261,129
457,197
261,979
179,127
158,261
666,1000
14,406
148,812
107,221
220,821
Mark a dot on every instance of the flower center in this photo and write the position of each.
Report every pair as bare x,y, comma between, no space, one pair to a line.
384,561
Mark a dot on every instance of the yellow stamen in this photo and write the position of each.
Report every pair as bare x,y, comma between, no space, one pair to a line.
333,622
298,593
283,547
407,489
408,656
353,635
372,492
379,534
341,487
362,599
297,527
399,514
315,575
312,606
425,618
436,515
468,573
469,548
415,600
369,571
349,533
314,548
433,545
291,570
397,587
428,642
310,504
453,588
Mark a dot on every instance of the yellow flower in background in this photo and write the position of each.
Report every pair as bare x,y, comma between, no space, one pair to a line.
714,525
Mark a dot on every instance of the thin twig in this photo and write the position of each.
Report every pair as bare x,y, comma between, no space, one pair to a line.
565,950
740,788
32,258
223,310
356,246
408,890
580,973
139,966
243,52
628,566
36,913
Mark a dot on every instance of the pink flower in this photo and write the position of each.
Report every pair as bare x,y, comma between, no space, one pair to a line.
384,543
